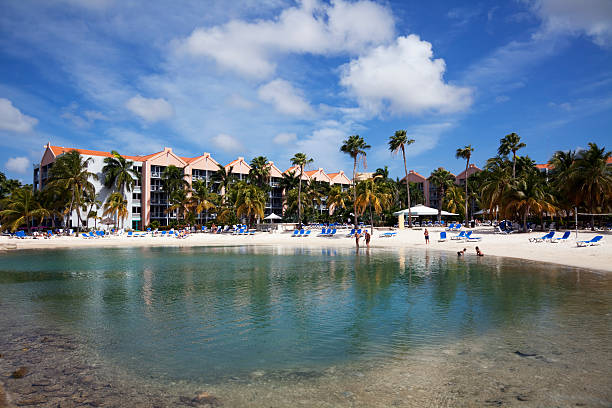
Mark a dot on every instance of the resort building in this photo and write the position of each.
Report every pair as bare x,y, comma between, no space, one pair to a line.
147,202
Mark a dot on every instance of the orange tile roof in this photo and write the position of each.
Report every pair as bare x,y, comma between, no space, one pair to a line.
609,160
543,166
57,150
311,172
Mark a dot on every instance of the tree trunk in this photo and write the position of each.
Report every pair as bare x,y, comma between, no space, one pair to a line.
440,198
514,164
300,199
355,190
592,220
371,221
407,189
525,219
467,218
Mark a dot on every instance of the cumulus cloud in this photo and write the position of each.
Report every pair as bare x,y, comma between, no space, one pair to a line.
249,48
323,144
13,120
285,138
405,78
238,101
19,165
592,17
150,109
227,143
285,98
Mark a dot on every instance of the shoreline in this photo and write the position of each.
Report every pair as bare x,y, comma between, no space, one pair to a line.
517,246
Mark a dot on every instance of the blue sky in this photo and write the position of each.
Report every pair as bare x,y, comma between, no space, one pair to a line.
274,77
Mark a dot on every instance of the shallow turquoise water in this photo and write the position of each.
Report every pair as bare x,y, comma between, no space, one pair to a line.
213,313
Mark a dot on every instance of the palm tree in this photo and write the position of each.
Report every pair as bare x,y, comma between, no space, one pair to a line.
337,198
526,195
88,204
300,159
116,205
454,200
511,143
201,198
355,147
224,178
289,181
591,178
250,202
173,179
7,185
69,173
313,194
181,203
118,173
465,153
442,179
21,208
495,180
383,172
398,142
260,172
373,196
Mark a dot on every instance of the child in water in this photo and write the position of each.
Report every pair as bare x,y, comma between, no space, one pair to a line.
479,252
461,253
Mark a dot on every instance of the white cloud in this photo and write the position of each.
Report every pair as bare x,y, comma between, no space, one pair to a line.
285,98
13,120
249,48
285,138
238,101
403,77
426,137
19,165
592,17
151,110
502,98
227,143
324,146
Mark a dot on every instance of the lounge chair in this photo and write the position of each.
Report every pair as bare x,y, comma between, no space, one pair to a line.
543,238
130,234
469,237
593,241
442,237
498,230
324,232
459,236
350,234
564,238
307,234
84,235
163,233
295,233
450,227
301,234
388,234
332,233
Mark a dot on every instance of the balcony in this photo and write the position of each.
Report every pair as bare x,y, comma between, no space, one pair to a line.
156,188
136,202
137,189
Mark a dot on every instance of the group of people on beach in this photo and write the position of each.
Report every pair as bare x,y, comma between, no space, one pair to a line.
459,253
366,236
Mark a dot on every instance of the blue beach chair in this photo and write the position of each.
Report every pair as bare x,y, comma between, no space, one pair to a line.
564,238
442,236
459,236
543,238
593,241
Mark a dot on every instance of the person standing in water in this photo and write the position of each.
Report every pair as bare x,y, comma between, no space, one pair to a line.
357,236
426,236
367,238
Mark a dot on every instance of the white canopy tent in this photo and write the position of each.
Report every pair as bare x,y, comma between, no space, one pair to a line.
418,210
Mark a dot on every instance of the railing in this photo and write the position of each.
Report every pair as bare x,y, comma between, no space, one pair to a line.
156,188
156,174
135,202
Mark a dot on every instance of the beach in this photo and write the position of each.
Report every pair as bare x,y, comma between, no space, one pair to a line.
515,245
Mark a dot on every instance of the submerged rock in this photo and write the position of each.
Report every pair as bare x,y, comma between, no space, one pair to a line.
20,372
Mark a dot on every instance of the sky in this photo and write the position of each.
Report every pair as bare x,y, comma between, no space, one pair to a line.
276,77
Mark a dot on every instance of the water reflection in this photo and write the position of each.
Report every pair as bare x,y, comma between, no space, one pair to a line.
214,312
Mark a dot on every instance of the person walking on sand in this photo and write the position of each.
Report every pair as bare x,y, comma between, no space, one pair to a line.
367,238
357,236
426,236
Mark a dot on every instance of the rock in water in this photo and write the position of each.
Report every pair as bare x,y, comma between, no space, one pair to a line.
20,372
204,398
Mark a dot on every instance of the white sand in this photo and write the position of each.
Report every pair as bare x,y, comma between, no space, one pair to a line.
514,245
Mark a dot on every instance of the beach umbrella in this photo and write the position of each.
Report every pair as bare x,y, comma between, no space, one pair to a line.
107,221
273,217
420,209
